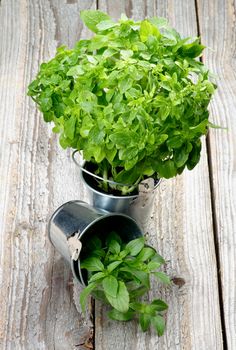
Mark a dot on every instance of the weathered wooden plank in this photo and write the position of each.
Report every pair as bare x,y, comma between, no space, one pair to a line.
181,228
39,302
218,31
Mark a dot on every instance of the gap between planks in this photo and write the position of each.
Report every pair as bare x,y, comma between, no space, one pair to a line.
214,219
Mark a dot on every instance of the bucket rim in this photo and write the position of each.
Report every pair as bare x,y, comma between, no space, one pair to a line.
109,195
57,210
82,168
84,171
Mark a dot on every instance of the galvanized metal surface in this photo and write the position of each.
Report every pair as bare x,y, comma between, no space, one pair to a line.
138,206
75,222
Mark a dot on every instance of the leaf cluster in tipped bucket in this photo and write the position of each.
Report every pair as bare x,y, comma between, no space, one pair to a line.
119,275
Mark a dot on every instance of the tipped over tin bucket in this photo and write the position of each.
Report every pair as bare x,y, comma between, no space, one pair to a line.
75,222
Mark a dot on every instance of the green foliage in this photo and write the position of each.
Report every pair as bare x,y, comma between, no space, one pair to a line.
133,98
123,278
92,18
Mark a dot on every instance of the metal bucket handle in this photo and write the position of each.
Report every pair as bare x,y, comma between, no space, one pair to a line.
97,176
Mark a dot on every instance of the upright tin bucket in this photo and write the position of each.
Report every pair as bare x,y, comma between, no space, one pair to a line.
73,223
138,205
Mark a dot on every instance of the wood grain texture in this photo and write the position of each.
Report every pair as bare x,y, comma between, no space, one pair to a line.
218,31
181,228
38,298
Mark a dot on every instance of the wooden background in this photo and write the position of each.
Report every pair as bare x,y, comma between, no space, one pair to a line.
194,220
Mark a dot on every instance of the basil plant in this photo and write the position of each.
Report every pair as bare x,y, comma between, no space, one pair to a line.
133,99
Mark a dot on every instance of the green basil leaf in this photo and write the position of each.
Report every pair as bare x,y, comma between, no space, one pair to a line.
159,305
121,301
153,265
121,316
124,85
181,157
97,276
175,142
135,246
160,22
46,104
162,277
85,293
75,71
114,247
159,324
112,266
107,24
92,18
142,276
92,264
123,138
146,29
125,54
110,286
158,258
127,177
192,50
108,53
123,254
69,127
146,254
144,321
167,169
138,292
98,253
139,307
99,295
194,155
